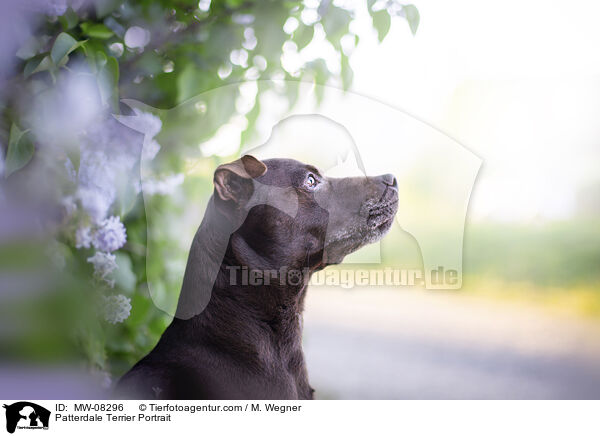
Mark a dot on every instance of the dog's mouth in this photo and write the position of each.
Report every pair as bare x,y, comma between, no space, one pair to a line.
381,215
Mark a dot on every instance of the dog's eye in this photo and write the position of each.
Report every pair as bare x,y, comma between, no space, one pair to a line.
311,181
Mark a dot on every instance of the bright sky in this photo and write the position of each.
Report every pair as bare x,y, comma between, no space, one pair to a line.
516,82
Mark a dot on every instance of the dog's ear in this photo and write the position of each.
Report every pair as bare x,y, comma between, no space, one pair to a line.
233,181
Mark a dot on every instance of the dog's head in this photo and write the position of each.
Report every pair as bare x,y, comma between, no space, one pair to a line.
290,214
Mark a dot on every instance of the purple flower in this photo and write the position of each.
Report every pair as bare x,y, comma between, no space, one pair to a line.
104,265
95,202
109,151
83,237
117,308
111,235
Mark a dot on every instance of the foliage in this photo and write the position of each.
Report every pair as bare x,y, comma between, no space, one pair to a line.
61,144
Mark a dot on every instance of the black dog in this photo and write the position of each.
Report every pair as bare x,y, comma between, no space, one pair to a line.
268,226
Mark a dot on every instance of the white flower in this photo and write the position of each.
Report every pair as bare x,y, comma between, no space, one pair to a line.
83,237
111,235
97,189
108,153
117,308
95,202
104,265
165,186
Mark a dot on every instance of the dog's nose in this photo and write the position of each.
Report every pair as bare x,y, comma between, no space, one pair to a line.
390,180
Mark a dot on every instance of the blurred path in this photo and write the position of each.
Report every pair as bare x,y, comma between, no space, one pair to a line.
389,343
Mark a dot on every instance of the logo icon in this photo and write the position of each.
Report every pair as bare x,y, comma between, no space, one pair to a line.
26,415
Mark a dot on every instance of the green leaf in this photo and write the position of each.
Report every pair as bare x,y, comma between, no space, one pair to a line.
101,59
381,22
20,150
412,16
95,55
96,30
336,23
69,19
347,73
29,49
303,36
37,64
108,78
112,66
63,45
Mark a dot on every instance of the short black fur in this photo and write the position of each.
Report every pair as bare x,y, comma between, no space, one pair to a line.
234,340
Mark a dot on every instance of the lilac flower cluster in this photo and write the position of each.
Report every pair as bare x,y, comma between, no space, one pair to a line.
104,265
108,154
117,308
110,149
83,237
111,235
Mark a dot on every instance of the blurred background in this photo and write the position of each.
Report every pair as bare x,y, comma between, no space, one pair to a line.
115,114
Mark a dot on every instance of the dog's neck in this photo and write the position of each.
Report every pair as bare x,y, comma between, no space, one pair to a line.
204,261
223,306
